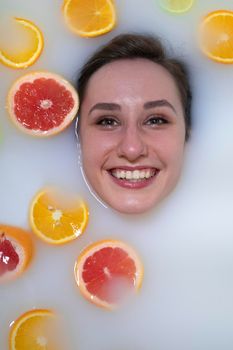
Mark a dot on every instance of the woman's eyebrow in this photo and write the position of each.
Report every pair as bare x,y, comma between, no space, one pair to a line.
159,103
106,106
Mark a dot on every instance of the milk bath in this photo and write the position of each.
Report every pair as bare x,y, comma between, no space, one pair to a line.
185,244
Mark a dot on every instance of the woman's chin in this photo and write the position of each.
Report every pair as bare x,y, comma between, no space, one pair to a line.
130,204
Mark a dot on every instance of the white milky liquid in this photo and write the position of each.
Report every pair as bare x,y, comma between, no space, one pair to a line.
186,244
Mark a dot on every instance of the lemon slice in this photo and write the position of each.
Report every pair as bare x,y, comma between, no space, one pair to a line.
176,6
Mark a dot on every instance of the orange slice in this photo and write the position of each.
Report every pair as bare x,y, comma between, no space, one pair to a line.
216,36
106,271
34,330
24,58
58,218
89,18
42,103
16,251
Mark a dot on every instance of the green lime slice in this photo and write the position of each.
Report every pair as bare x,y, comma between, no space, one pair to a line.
176,6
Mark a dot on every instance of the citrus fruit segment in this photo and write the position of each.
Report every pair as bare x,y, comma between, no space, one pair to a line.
176,6
216,36
106,271
89,18
26,57
35,329
16,250
42,103
58,218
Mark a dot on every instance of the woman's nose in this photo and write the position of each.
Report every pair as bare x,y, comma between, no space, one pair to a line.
132,145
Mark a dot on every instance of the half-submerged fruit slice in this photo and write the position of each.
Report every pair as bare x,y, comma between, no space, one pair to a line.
176,6
216,36
58,218
34,330
89,18
16,250
42,103
25,57
108,271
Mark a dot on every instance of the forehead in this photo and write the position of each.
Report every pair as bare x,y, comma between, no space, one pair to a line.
132,77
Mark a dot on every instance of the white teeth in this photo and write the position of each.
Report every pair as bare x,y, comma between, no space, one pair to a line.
142,174
128,175
133,175
136,174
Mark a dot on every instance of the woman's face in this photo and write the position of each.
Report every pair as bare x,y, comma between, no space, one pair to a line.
132,134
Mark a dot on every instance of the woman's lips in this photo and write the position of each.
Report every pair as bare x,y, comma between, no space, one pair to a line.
134,178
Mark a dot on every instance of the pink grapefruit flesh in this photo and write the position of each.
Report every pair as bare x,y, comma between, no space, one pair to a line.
42,103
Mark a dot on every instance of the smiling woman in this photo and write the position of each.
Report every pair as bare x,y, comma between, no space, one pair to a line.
134,122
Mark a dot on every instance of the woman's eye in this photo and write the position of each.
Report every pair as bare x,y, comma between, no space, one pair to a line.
107,122
156,121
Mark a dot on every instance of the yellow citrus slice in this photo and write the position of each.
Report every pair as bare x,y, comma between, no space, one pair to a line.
89,18
42,103
26,57
16,251
176,6
34,330
216,36
106,271
58,218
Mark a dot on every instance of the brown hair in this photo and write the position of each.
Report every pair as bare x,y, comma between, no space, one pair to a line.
131,46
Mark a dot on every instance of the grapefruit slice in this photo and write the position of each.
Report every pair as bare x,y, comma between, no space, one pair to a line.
34,330
16,250
58,218
42,103
106,271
